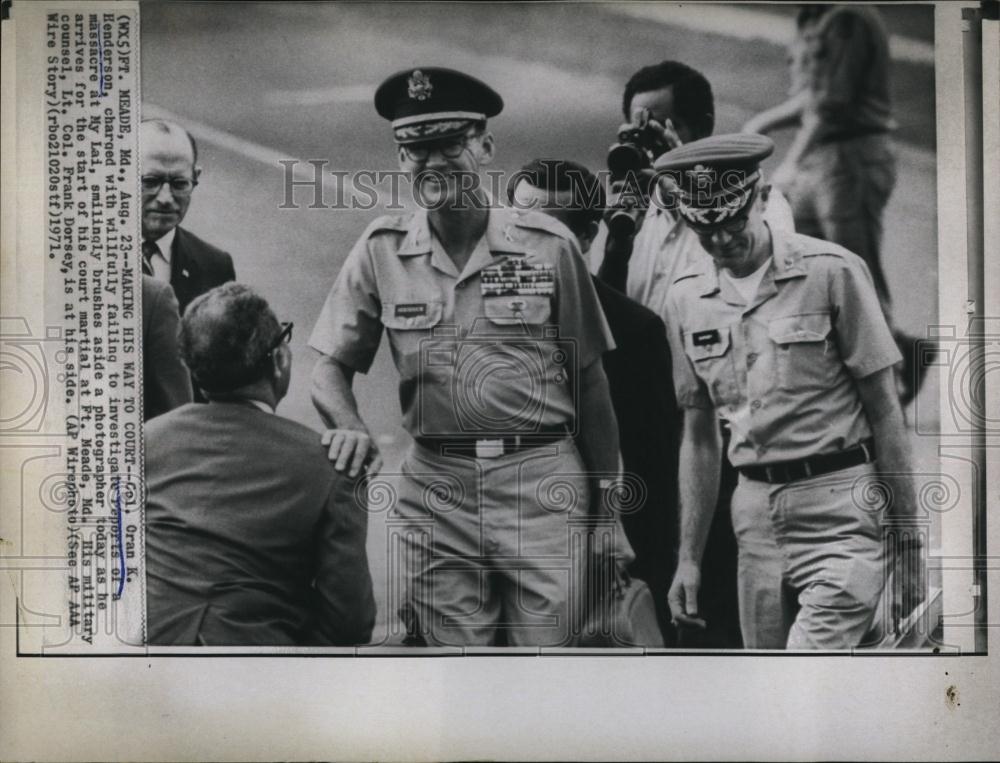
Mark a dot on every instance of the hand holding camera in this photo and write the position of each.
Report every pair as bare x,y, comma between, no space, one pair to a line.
630,162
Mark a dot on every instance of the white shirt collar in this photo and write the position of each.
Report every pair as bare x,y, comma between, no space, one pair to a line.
262,405
165,242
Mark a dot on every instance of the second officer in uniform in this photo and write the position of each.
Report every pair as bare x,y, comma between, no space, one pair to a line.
497,334
782,336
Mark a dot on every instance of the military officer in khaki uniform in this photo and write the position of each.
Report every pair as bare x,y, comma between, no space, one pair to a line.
782,335
497,334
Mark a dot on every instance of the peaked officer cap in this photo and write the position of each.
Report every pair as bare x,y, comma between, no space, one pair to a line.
431,102
714,177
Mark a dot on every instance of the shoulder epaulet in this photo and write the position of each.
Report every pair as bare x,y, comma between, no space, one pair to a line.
694,269
815,247
531,219
398,222
688,274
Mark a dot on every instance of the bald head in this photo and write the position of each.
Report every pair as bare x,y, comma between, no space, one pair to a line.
168,153
149,127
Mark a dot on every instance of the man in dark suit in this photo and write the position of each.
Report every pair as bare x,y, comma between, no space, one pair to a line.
170,253
170,173
252,536
639,376
165,381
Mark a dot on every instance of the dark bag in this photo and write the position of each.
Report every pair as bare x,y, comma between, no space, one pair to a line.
621,609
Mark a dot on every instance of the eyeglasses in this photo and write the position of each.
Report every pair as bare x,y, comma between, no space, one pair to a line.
450,148
732,227
151,184
285,335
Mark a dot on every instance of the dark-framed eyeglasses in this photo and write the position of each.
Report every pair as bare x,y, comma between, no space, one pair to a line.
285,335
734,226
451,148
179,186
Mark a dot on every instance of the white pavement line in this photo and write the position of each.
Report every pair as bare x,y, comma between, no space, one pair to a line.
752,24
221,138
925,159
301,170
321,96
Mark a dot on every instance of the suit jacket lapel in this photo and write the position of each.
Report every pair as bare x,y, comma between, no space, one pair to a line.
183,269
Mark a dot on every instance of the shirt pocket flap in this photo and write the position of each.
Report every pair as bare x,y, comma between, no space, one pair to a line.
515,309
813,327
412,315
707,343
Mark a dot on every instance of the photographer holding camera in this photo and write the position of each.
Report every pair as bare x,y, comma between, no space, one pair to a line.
498,337
667,105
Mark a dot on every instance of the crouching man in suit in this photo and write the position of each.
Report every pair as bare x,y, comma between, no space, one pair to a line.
165,381
252,537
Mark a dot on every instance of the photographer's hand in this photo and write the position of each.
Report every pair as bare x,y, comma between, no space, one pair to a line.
666,133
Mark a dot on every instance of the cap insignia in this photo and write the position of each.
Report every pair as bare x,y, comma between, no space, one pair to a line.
701,174
419,86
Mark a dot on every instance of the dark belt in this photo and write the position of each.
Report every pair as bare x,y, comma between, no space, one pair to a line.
850,134
789,471
493,447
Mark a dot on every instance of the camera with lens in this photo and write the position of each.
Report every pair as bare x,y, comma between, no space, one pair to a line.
630,163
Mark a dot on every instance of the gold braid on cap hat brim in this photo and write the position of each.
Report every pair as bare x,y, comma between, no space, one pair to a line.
726,204
431,130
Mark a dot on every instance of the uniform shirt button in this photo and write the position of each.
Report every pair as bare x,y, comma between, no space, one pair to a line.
409,321
751,358
460,285
755,404
761,450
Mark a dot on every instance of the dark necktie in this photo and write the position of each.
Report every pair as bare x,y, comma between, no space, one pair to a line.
149,250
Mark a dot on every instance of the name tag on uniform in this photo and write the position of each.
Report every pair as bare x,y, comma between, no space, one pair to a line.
411,310
518,278
705,338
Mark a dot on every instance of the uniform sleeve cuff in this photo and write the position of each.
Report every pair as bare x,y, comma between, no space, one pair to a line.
358,361
876,365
